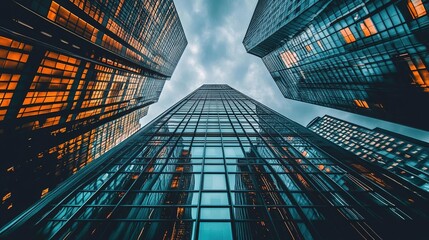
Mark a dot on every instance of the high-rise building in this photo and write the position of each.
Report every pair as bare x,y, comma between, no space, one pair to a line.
219,165
365,57
76,76
407,157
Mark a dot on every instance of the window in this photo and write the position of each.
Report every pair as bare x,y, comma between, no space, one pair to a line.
361,103
348,35
368,27
420,74
320,45
289,58
44,192
416,8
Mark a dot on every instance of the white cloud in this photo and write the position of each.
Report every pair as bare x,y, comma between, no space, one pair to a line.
194,48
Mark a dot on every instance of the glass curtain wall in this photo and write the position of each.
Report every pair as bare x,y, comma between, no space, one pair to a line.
219,165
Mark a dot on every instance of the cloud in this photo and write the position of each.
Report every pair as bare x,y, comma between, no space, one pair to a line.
215,54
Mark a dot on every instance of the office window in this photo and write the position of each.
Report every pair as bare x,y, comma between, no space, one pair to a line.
320,45
416,8
347,35
361,103
420,74
368,27
289,58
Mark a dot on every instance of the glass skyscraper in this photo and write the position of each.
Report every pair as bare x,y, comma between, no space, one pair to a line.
406,157
76,76
365,57
219,165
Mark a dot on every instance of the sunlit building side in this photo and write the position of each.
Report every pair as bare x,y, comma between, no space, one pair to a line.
219,165
76,76
365,57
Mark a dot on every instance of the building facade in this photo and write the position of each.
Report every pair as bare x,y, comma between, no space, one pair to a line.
75,74
408,158
365,57
219,165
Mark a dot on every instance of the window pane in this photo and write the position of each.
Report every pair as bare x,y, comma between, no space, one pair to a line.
215,231
214,182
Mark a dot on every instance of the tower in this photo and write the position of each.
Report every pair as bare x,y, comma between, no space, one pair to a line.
402,155
69,71
220,165
364,57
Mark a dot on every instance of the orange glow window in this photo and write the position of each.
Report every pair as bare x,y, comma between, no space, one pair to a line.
347,35
7,196
89,9
420,73
174,183
361,103
308,48
289,58
416,8
368,27
121,2
67,19
44,192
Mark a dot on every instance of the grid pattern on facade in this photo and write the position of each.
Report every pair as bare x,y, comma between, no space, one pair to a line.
219,165
69,70
407,159
369,58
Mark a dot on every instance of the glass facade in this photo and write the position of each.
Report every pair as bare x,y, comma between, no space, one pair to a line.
69,71
365,57
406,157
219,165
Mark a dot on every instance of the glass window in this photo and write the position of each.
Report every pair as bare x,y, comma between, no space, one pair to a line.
215,213
197,152
214,182
209,198
233,152
368,27
416,8
215,231
289,58
214,152
347,35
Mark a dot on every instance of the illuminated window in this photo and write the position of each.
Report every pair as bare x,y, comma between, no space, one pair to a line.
13,56
289,58
90,9
6,196
361,103
320,45
304,153
416,8
67,19
121,3
368,27
44,192
348,35
51,86
308,48
420,73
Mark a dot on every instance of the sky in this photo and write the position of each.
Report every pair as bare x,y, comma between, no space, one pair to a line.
215,54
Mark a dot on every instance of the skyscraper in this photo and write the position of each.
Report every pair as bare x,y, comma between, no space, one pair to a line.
219,165
408,158
75,74
365,57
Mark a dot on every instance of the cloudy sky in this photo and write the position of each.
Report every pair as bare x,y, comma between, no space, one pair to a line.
215,54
